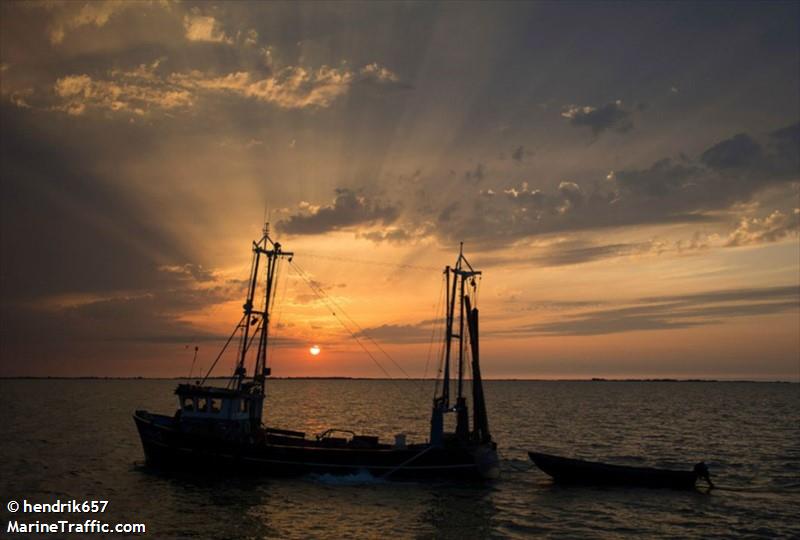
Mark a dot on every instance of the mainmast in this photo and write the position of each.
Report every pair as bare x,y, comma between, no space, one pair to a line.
458,279
260,319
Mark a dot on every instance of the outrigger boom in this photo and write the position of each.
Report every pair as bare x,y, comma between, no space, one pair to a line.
462,273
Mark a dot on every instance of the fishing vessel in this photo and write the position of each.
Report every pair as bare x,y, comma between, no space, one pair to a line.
223,427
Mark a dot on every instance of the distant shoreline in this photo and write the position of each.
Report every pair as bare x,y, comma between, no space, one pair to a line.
593,379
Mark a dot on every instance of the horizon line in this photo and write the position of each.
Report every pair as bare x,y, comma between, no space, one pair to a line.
510,379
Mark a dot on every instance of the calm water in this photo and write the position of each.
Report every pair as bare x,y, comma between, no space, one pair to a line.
76,439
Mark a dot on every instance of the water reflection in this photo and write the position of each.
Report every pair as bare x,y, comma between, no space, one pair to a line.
459,512
184,505
83,443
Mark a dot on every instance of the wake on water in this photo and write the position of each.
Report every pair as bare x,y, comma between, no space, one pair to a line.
362,477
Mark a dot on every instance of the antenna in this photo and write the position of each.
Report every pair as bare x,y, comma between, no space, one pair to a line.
267,219
191,369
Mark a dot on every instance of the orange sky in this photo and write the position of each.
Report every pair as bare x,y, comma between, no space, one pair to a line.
632,198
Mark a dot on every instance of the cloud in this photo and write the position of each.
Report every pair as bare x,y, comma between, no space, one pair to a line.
117,275
772,228
292,87
669,312
155,315
609,116
477,174
376,73
572,195
670,190
391,235
739,152
188,271
101,239
564,252
400,333
578,252
348,209
204,28
784,152
135,92
145,89
70,16
518,154
572,252
662,179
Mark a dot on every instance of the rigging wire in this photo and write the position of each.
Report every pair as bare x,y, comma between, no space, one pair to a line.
377,263
361,330
249,344
442,357
434,330
333,312
282,292
235,330
194,360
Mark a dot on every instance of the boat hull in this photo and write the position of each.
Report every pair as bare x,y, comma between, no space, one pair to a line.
166,445
575,471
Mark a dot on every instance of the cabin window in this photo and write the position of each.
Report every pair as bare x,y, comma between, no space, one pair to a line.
202,404
243,405
188,404
216,404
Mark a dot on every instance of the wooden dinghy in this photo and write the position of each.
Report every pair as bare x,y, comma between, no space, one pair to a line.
577,471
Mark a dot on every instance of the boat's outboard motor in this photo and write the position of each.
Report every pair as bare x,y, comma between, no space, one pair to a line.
701,471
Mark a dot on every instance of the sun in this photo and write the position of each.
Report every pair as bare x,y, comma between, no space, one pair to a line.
314,350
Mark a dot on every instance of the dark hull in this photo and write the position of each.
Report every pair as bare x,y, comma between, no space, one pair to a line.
576,471
167,445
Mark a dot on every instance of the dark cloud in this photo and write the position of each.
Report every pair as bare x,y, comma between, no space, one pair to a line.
561,305
578,252
190,271
349,209
681,190
784,292
125,325
664,178
390,235
738,152
400,333
669,312
518,154
66,230
784,156
571,193
448,212
83,264
609,116
744,158
476,175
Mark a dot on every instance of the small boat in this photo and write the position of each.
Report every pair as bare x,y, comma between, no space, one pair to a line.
219,427
577,471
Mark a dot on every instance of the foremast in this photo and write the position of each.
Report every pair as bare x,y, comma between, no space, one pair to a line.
259,319
461,290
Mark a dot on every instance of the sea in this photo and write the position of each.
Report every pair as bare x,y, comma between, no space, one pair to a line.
64,440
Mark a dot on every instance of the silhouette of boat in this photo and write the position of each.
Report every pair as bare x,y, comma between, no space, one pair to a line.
221,427
577,471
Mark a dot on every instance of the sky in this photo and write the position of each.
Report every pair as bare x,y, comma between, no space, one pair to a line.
625,175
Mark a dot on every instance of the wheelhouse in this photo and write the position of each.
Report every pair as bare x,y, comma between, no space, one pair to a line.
206,402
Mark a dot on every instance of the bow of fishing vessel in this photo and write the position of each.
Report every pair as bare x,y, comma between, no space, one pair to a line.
218,427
